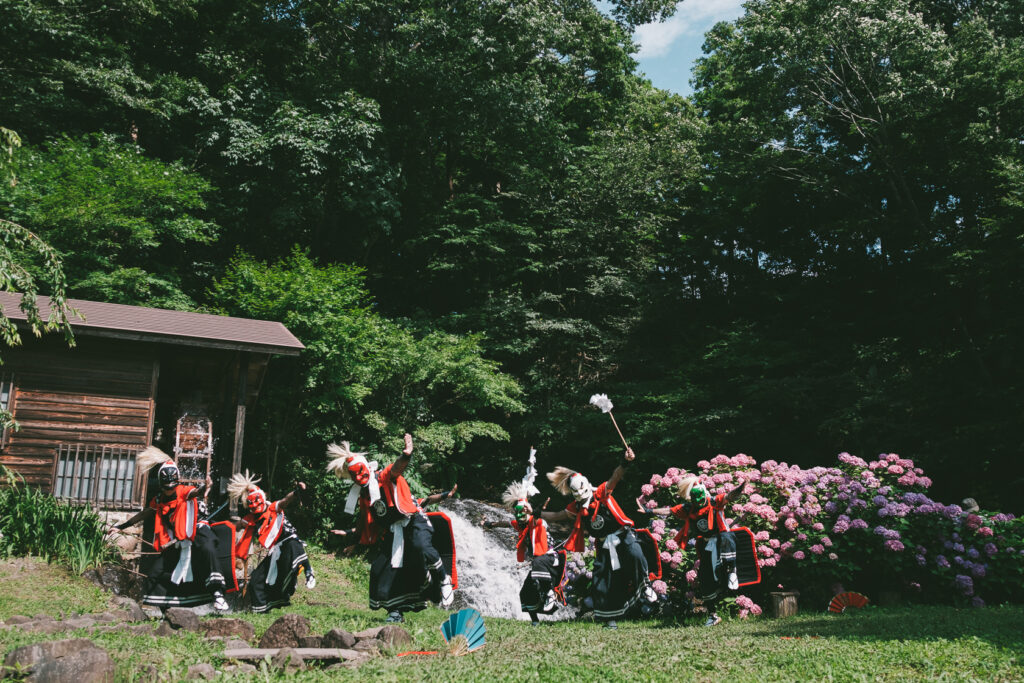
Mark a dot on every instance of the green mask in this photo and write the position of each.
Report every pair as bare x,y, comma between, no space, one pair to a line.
520,512
698,495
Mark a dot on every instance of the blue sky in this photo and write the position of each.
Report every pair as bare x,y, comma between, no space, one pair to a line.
669,49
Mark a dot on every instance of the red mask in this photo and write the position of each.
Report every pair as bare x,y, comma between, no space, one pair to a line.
359,472
256,501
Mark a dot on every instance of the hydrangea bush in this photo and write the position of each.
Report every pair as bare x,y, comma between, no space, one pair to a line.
865,526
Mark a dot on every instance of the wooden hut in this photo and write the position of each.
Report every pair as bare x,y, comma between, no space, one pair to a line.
136,376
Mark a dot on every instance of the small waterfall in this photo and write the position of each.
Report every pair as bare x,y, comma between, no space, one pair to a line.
489,575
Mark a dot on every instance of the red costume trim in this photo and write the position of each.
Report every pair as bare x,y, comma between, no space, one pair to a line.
437,518
232,585
395,490
266,527
535,532
713,512
183,514
576,542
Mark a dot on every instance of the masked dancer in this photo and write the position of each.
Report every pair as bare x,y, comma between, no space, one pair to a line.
543,588
725,556
272,583
622,572
187,570
414,560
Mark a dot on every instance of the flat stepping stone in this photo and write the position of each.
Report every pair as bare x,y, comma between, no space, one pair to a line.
320,653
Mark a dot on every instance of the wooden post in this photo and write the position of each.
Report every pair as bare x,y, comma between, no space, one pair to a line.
783,604
243,377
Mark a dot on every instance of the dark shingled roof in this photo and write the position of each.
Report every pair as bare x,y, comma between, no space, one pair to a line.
167,327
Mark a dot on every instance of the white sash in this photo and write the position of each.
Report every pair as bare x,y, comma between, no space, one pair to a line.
398,542
275,555
183,570
610,541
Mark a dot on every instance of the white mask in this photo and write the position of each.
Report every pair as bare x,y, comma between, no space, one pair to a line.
580,487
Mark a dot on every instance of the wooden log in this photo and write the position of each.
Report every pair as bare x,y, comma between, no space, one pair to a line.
320,653
783,604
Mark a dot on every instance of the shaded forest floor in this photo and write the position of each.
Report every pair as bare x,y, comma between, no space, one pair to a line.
873,644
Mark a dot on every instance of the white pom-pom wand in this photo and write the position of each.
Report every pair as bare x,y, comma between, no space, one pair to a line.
605,404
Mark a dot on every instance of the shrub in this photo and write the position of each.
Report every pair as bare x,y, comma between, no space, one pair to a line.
33,522
870,526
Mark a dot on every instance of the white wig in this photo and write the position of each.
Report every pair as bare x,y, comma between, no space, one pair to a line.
150,457
238,485
515,492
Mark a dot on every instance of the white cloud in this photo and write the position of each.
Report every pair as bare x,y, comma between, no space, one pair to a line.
656,39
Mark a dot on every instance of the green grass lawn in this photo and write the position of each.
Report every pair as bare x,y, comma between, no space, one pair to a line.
872,644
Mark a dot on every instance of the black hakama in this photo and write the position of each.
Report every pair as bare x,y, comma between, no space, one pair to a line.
208,570
265,596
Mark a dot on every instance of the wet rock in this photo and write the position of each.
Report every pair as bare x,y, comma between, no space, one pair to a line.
182,618
227,627
286,632
393,635
201,671
337,637
288,661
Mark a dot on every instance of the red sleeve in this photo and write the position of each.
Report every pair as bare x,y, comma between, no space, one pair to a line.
601,491
678,510
245,540
384,476
573,508
720,501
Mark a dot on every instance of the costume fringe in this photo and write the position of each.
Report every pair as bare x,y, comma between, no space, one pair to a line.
150,457
560,479
515,492
684,486
238,486
339,455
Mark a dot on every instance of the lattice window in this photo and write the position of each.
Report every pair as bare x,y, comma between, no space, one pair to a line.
6,399
101,475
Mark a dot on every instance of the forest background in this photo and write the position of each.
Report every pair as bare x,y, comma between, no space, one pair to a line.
475,215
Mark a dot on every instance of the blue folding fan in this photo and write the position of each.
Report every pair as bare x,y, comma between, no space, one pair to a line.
464,631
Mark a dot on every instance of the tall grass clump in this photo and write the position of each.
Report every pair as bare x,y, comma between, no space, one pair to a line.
33,522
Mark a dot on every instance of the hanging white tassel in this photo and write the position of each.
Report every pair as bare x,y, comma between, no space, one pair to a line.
602,401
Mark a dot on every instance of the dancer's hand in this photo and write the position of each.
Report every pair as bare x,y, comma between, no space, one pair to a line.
545,505
640,506
301,486
630,455
348,550
452,492
339,532
408,444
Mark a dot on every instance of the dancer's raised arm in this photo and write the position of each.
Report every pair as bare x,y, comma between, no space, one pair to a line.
620,471
399,467
292,495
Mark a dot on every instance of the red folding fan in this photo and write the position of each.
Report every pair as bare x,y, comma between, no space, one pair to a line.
843,600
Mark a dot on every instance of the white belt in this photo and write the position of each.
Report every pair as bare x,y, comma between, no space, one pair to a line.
275,555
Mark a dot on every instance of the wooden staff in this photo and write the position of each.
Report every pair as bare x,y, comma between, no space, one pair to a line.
604,403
